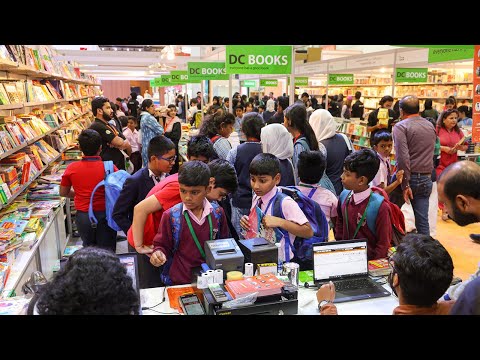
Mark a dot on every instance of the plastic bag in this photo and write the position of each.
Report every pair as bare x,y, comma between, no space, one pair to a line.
241,301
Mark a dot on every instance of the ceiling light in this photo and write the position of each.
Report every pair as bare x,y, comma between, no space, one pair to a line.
114,49
128,49
170,55
139,49
103,49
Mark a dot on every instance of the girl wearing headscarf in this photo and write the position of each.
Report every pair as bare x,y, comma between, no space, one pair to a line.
173,131
295,120
338,145
277,141
269,111
149,127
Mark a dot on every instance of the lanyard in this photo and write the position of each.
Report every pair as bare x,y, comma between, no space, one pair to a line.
361,220
190,227
269,204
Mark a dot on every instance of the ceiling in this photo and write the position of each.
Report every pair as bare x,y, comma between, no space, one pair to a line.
145,62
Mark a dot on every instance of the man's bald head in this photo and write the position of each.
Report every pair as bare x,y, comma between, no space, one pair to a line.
409,105
459,190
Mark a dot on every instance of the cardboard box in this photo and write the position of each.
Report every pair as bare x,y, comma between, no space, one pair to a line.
300,56
314,54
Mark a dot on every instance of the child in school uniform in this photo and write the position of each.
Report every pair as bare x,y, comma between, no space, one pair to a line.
132,135
359,169
311,166
264,178
198,223
383,145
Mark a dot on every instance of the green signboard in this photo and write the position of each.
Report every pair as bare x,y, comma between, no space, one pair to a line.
152,83
207,71
449,54
340,79
258,59
414,75
268,82
299,81
180,77
164,80
248,83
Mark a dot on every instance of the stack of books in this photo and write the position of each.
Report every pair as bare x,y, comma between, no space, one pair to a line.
266,284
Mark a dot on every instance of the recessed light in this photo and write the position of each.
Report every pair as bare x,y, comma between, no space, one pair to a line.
128,49
114,49
139,49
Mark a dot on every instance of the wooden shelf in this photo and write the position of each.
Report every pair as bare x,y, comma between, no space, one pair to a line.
348,85
40,103
11,106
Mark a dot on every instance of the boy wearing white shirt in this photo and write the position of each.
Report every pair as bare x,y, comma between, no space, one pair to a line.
383,145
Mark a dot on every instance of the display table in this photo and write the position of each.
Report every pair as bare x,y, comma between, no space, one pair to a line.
307,303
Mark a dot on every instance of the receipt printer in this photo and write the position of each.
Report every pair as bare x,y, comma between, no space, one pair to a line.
258,251
224,254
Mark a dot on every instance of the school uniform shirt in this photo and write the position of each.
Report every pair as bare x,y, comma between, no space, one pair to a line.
291,211
323,197
238,128
150,128
384,172
188,256
167,193
377,245
83,176
107,134
440,308
222,146
132,138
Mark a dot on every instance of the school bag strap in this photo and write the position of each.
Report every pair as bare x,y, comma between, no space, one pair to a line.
277,211
176,213
302,141
108,166
372,209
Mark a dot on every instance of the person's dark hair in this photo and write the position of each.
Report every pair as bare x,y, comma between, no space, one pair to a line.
410,104
428,105
261,107
235,103
194,173
119,99
283,102
193,101
224,174
451,101
124,120
297,115
384,99
358,95
314,102
146,104
213,123
311,166
364,162
424,268
200,146
464,180
265,164
97,103
92,282
133,95
89,141
396,109
445,114
114,110
248,104
466,110
252,125
239,106
225,99
159,145
381,136
305,94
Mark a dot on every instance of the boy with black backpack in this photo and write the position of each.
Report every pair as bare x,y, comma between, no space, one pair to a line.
78,182
279,210
362,213
185,227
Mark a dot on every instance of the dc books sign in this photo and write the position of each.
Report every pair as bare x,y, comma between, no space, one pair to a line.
258,59
207,71
268,82
340,79
248,83
181,77
299,81
414,75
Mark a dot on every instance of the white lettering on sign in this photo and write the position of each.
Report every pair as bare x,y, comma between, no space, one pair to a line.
215,71
267,60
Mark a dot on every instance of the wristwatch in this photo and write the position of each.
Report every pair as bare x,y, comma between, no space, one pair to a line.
322,303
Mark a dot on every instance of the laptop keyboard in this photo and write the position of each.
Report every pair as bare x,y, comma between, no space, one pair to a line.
352,284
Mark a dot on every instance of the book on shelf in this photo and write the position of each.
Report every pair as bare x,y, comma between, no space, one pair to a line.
4,100
12,93
383,116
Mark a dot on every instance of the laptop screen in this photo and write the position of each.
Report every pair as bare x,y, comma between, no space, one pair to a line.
333,260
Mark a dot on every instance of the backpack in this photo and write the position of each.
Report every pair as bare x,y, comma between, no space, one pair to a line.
176,213
113,183
396,216
301,247
215,138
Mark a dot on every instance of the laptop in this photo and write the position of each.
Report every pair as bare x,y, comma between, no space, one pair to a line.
345,263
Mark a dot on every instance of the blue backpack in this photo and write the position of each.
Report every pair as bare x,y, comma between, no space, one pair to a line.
176,213
302,248
113,183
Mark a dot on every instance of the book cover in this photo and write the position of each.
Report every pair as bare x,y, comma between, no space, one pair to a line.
266,284
69,250
4,100
383,116
379,267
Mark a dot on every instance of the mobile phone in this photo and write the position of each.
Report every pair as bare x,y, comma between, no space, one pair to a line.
191,304
217,292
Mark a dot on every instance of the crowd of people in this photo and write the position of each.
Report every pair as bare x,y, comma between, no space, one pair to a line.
167,211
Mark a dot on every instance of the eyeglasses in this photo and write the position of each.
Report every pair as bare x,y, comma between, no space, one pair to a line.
170,159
